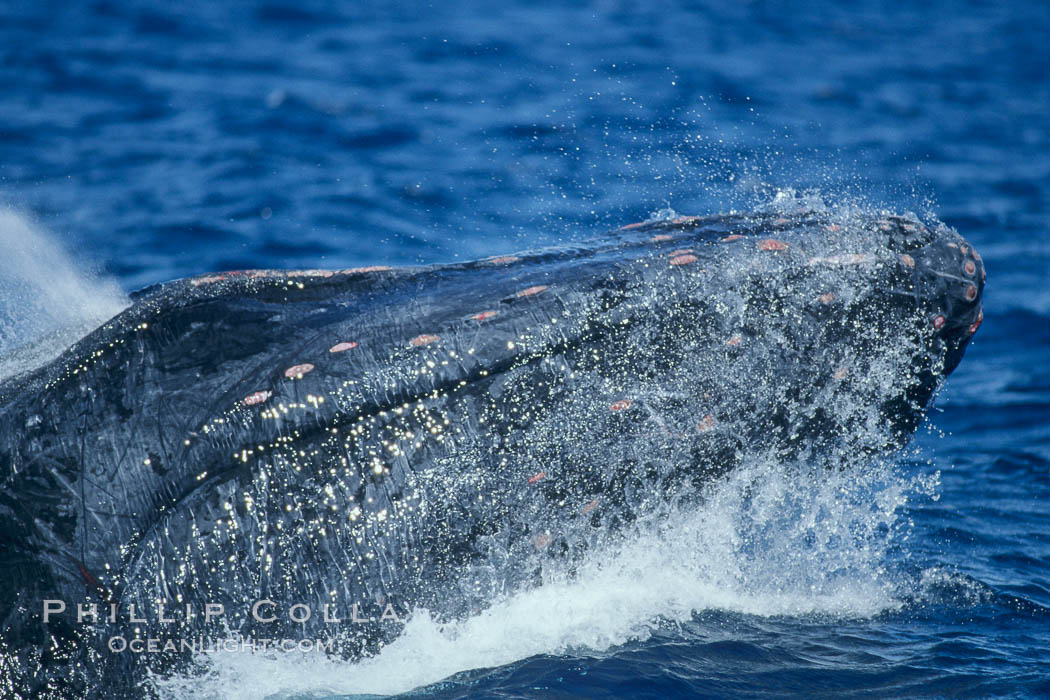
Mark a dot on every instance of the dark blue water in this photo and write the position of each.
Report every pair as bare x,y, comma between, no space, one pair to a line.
161,140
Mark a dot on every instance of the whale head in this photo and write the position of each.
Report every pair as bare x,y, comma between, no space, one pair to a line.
367,436
947,275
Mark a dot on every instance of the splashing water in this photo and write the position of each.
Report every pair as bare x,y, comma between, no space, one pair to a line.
770,539
47,300
767,541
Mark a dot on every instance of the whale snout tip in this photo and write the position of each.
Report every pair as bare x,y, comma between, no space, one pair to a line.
964,275
957,276
947,276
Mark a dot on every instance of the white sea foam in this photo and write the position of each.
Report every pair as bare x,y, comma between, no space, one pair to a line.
768,541
48,299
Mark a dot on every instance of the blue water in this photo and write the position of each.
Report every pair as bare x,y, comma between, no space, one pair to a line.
155,141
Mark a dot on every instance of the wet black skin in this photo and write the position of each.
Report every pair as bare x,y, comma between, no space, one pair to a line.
615,373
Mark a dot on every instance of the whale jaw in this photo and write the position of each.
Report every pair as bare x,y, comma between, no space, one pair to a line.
364,437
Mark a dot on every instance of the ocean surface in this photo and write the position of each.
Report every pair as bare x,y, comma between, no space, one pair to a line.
144,141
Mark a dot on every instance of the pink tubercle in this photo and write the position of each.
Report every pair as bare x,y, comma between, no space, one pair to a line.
977,324
425,339
369,268
256,398
772,244
297,371
209,279
532,291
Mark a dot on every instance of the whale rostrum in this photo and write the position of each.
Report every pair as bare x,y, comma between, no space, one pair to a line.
361,443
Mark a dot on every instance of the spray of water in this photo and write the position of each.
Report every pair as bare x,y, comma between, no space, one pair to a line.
47,299
766,541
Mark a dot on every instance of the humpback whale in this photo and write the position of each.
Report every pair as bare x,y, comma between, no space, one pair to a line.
263,452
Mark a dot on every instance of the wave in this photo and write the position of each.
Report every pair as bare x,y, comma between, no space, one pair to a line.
769,540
